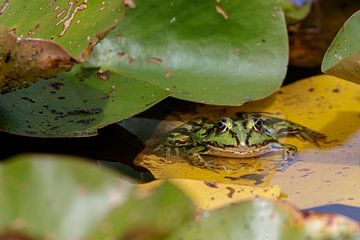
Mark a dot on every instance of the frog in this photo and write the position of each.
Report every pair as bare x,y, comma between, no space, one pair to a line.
249,135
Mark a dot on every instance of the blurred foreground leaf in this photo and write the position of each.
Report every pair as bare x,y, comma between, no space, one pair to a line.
44,197
224,52
342,58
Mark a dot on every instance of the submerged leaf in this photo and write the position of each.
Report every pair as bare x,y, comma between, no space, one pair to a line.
224,52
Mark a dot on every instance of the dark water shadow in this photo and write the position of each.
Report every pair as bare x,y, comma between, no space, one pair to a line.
346,210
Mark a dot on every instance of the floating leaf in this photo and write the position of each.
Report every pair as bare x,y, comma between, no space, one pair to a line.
204,51
342,58
326,104
75,104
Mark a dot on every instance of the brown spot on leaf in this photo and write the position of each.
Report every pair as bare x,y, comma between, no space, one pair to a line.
4,6
103,75
211,184
154,60
231,192
168,73
221,11
14,235
120,54
237,51
130,3
131,59
336,90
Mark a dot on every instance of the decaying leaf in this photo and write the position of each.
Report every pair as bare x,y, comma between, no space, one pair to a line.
25,60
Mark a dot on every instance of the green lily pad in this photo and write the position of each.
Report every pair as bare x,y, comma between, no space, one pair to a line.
63,198
72,24
75,104
224,52
342,58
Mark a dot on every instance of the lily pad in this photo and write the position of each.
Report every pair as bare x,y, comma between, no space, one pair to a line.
75,104
223,52
342,58
73,24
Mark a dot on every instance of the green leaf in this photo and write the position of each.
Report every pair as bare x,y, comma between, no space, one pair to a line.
225,53
75,104
342,59
70,23
64,198
256,219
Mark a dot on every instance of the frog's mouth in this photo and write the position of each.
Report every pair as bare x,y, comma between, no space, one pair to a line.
237,152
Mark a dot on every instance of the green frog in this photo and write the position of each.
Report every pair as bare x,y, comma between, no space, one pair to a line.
250,135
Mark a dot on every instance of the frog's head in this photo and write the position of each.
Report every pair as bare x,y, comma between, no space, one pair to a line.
224,124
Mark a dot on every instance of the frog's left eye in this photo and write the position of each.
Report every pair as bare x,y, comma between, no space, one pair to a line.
258,125
221,125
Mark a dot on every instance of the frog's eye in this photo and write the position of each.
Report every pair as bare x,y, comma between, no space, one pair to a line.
258,125
221,125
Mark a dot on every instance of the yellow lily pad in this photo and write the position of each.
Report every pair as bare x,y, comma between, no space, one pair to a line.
323,174
208,196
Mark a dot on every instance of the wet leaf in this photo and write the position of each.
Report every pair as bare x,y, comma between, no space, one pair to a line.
75,104
203,51
259,219
323,174
46,197
342,58
72,24
23,61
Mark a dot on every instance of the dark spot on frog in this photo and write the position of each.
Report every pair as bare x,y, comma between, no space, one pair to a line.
28,99
56,85
258,178
61,98
46,106
231,192
263,40
131,60
7,57
311,89
336,90
211,184
52,92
